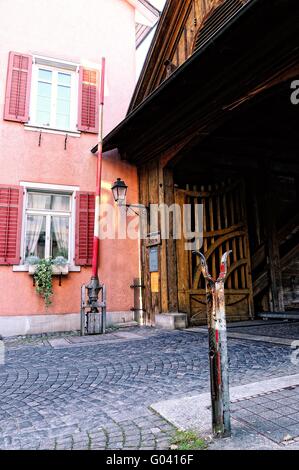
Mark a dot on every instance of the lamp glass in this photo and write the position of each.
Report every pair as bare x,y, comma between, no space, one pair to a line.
119,190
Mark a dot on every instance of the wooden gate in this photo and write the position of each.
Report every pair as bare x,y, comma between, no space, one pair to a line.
224,228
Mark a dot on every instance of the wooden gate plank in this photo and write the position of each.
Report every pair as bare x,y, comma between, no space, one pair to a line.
224,228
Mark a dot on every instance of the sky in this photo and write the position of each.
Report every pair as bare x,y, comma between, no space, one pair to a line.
142,50
158,3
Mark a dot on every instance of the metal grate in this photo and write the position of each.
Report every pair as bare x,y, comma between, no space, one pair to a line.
220,16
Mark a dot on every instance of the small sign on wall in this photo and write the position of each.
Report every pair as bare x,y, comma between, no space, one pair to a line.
153,259
154,268
155,282
153,239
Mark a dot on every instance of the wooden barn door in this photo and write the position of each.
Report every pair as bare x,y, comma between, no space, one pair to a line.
224,228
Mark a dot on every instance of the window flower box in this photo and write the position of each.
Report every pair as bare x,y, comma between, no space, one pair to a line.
57,269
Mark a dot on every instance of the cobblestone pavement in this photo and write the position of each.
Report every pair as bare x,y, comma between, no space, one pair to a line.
275,415
277,330
97,396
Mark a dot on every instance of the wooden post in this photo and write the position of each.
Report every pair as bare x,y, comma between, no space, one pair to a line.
170,244
276,287
218,357
163,251
145,274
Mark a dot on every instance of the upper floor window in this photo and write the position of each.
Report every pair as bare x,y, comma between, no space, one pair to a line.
54,98
52,94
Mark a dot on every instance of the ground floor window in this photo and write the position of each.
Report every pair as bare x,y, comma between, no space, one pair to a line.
48,220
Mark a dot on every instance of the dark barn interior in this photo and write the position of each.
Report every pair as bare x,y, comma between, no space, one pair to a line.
246,175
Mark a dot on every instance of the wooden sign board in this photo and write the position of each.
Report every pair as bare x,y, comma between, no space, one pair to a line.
155,282
153,239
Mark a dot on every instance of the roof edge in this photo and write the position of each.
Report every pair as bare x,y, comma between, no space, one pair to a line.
145,8
168,19
180,70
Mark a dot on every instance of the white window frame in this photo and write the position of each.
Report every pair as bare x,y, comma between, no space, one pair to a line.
55,68
48,214
49,188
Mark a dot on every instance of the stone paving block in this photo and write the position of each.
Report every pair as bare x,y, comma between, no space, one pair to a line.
273,396
295,416
285,422
258,409
252,419
259,400
271,415
266,426
288,401
286,410
293,429
295,406
272,405
279,435
242,413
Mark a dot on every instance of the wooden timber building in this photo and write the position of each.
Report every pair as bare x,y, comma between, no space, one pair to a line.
212,122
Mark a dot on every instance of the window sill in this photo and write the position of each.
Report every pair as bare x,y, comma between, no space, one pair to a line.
56,270
48,130
21,268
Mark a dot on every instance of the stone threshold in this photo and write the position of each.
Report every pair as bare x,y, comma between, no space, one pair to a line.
92,340
250,337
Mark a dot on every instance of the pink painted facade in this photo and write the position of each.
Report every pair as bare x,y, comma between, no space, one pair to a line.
79,32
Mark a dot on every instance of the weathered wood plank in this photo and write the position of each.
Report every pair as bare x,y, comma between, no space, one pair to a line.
145,275
170,245
182,261
276,287
153,191
163,249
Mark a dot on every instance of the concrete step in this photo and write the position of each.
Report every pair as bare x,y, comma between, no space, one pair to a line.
171,321
289,315
126,324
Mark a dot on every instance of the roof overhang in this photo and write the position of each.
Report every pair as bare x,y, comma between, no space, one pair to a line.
172,16
146,9
255,50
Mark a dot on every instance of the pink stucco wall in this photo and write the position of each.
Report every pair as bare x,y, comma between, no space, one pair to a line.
77,31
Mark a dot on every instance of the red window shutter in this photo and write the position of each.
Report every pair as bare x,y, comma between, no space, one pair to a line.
18,82
88,110
11,198
85,211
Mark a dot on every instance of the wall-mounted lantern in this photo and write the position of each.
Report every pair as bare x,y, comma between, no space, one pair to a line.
119,191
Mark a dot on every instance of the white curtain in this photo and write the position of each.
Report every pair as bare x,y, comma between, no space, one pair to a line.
34,222
59,224
34,226
61,231
60,203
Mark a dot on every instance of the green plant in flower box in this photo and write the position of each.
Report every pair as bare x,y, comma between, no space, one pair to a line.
43,280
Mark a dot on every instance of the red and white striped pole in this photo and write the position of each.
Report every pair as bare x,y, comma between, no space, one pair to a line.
94,285
96,236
